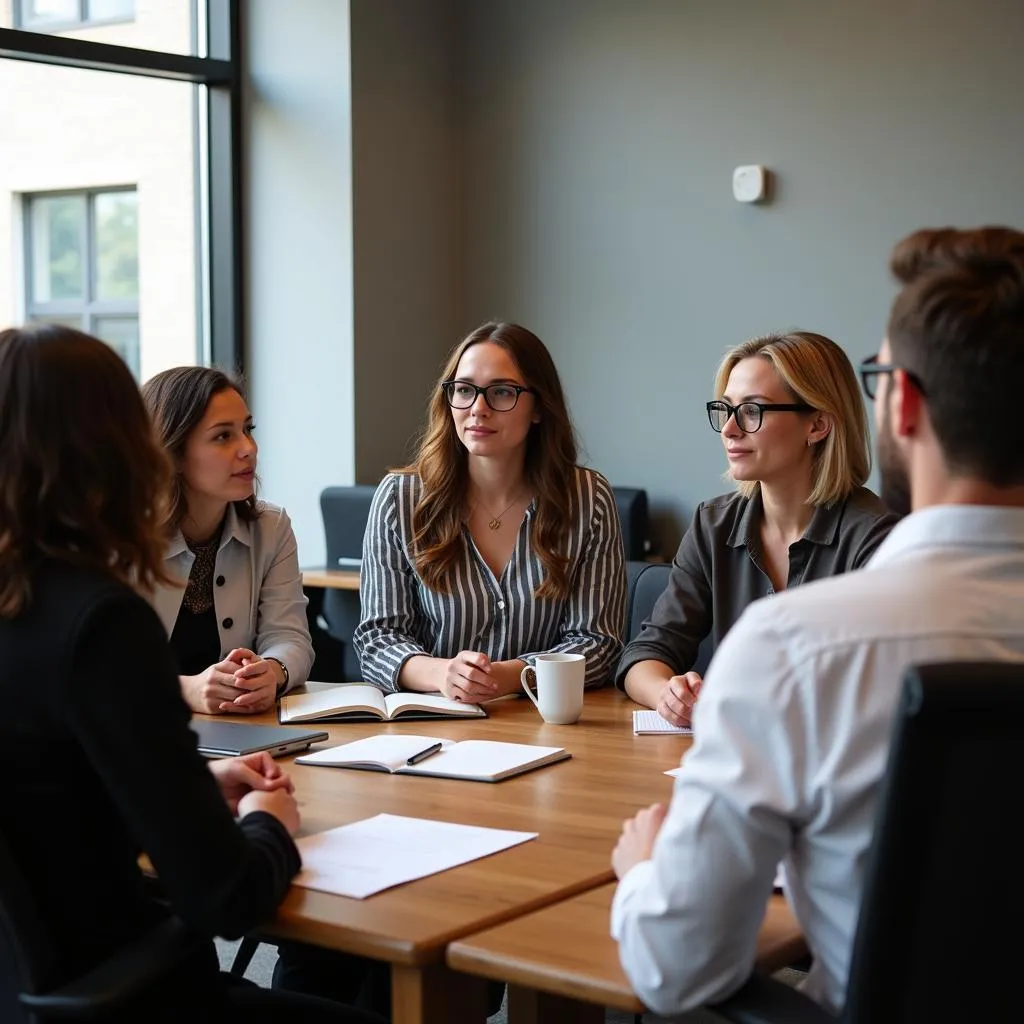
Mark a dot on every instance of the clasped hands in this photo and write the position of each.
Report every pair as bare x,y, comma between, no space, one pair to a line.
256,782
472,677
243,683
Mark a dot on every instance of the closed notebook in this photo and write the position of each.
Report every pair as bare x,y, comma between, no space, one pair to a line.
475,760
358,702
650,723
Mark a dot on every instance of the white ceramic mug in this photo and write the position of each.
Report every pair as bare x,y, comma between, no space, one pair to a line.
559,679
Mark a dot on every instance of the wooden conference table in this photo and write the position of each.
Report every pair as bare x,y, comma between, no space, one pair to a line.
576,806
331,579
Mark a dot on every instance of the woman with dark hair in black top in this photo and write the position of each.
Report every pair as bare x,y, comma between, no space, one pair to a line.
96,774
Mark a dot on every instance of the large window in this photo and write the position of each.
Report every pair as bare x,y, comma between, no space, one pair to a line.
83,264
60,15
120,210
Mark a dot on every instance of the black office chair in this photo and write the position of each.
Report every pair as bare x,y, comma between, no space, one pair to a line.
345,511
30,993
647,582
939,935
635,520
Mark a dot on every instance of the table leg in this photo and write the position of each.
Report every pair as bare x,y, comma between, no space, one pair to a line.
434,993
527,1006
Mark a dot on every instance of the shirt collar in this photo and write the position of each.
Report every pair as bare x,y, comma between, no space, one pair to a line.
234,529
960,526
822,529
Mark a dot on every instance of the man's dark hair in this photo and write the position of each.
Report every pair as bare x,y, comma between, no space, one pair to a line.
958,325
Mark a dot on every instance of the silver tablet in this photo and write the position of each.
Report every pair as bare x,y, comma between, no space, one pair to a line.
232,739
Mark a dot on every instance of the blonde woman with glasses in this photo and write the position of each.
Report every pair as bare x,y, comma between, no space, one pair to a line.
791,419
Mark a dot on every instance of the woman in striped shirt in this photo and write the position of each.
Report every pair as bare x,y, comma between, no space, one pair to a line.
493,546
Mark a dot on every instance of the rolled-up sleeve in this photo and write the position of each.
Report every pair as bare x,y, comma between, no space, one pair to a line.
388,634
282,631
682,615
595,609
687,920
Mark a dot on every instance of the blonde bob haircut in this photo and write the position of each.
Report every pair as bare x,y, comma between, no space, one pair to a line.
817,371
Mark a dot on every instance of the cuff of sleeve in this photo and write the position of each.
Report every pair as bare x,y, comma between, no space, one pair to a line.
402,652
633,654
260,822
636,878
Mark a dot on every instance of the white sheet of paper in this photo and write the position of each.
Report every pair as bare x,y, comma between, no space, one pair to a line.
674,772
377,853
652,722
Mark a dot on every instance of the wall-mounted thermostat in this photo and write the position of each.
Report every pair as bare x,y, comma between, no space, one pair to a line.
750,183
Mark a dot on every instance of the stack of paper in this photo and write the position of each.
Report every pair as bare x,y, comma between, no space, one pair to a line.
374,854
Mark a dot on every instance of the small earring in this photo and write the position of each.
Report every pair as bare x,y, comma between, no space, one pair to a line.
810,443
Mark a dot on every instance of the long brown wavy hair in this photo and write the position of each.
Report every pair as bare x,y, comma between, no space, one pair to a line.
82,477
177,401
442,465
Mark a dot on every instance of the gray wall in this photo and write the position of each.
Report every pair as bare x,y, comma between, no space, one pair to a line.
568,165
354,236
406,146
600,140
299,254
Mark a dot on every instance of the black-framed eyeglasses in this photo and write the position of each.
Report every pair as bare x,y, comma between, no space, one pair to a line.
749,415
871,369
461,394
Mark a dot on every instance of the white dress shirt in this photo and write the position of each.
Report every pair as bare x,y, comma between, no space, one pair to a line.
257,590
791,738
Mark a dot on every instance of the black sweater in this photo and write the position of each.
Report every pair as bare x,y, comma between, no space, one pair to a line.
97,763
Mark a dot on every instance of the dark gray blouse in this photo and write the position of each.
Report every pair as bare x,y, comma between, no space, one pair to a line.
718,570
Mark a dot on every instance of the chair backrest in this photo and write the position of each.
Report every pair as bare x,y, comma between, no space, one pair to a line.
635,521
345,511
26,964
940,930
647,582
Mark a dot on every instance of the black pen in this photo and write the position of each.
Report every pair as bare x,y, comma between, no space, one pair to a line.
424,754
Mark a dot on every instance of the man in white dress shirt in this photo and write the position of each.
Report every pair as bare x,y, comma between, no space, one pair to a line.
793,725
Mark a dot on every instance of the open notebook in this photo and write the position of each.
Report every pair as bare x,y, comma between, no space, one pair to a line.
342,702
476,760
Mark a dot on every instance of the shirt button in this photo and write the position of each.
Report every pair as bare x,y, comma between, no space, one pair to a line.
220,581
228,623
501,604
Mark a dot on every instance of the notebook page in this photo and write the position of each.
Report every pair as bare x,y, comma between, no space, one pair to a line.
386,749
371,855
337,698
484,758
652,722
395,702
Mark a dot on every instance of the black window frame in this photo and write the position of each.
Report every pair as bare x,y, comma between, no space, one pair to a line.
220,123
84,19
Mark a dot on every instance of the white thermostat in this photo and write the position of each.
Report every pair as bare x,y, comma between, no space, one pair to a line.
750,183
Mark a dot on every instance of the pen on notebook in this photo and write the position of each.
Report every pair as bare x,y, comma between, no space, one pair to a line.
424,754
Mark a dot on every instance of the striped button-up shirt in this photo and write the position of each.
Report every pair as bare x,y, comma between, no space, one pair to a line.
500,617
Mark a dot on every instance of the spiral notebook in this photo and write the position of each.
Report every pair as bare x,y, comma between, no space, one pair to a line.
650,723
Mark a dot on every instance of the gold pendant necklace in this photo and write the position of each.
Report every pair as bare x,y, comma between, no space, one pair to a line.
494,522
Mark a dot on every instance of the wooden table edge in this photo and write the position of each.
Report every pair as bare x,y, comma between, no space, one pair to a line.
410,953
571,984
563,983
